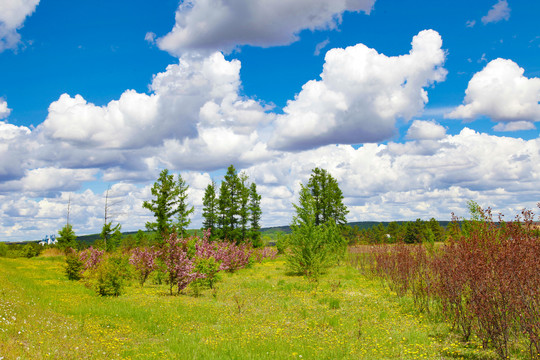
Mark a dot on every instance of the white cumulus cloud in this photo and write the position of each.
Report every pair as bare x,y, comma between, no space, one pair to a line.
209,25
426,130
361,94
4,110
412,179
193,118
501,92
12,15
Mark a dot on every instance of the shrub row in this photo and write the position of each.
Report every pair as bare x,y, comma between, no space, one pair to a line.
179,262
485,279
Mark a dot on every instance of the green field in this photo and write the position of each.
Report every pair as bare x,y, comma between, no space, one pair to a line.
255,313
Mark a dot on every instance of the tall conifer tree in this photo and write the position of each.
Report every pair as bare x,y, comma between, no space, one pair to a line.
210,209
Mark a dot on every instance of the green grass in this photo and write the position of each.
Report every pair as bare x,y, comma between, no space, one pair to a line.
256,313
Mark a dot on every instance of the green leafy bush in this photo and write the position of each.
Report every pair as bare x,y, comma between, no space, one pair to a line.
3,249
314,248
74,266
282,242
109,277
208,269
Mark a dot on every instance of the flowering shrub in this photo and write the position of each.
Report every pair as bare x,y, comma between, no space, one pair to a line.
266,252
199,259
144,262
91,257
178,265
232,256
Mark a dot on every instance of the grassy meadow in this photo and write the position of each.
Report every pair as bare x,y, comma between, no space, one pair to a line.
255,313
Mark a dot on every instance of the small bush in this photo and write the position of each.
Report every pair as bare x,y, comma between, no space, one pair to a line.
3,249
109,277
74,266
31,250
209,273
313,249
282,243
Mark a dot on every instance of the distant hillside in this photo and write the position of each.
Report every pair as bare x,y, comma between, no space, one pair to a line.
360,224
271,231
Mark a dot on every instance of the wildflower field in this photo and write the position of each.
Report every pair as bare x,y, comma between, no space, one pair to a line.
255,313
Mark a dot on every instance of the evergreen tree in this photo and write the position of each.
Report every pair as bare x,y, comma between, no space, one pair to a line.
436,229
166,191
170,201
224,206
184,211
229,205
236,213
393,230
106,233
243,207
313,248
255,215
328,198
210,209
67,238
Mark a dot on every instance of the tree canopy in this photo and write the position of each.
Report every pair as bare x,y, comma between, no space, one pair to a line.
236,213
327,197
170,200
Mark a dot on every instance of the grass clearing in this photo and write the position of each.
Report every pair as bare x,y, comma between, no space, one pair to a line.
255,313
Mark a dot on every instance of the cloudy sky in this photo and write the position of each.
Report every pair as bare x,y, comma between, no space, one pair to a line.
415,107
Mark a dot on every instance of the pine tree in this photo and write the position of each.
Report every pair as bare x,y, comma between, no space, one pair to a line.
229,205
107,232
210,209
312,248
170,201
255,215
237,209
224,224
184,211
328,198
243,207
66,238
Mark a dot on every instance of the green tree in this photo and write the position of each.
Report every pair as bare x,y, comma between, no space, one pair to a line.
393,231
106,233
255,215
477,218
67,238
243,207
184,211
313,248
224,206
210,208
229,205
236,213
170,201
141,239
328,198
436,230
3,249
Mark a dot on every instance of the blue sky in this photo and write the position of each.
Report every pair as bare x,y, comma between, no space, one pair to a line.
415,107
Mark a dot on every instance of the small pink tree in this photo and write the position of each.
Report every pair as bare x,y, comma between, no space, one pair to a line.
144,261
91,257
180,268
